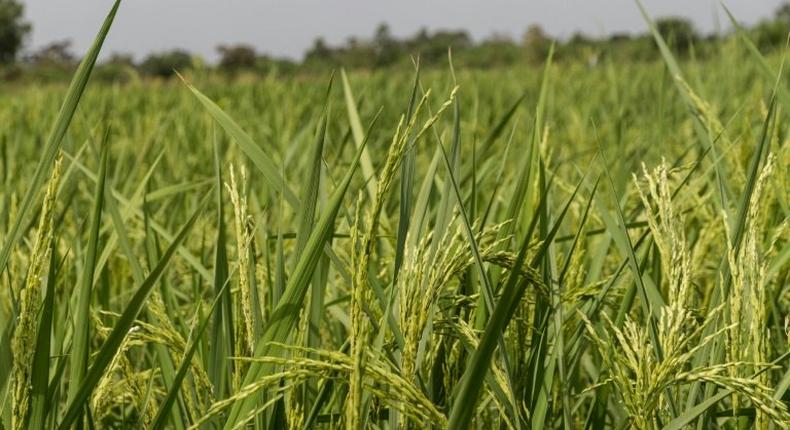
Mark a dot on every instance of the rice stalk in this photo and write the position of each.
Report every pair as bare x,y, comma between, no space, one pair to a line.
245,328
23,344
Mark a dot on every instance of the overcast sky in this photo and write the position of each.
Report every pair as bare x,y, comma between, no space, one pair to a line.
287,28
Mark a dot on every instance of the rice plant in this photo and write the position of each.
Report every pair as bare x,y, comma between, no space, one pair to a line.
572,247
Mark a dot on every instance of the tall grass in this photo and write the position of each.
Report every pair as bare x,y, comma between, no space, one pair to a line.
570,247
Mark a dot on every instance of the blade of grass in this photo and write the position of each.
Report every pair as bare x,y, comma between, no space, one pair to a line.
221,341
472,380
130,204
781,92
39,400
711,353
80,348
309,198
262,161
122,326
310,202
359,137
689,415
650,304
488,291
167,404
699,127
284,316
50,151
406,194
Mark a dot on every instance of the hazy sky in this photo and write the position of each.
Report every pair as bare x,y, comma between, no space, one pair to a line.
287,28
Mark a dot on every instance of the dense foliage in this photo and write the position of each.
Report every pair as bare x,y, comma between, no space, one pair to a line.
568,246
382,50
13,30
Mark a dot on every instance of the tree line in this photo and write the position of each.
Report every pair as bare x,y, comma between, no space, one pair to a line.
381,50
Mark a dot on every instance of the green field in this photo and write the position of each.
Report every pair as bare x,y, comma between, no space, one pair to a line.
566,246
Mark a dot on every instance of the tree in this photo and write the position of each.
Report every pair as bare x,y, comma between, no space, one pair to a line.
119,68
495,50
13,30
582,47
536,44
234,58
385,46
357,53
165,64
432,48
678,32
319,52
121,59
772,33
783,12
54,54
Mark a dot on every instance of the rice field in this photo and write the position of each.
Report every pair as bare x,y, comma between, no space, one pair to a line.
559,247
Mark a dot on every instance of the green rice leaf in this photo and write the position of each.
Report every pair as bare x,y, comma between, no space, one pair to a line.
50,151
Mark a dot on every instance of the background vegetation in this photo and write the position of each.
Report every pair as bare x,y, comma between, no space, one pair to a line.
380,51
574,245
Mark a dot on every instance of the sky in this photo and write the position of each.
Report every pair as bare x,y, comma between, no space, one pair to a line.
288,28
